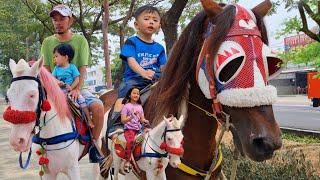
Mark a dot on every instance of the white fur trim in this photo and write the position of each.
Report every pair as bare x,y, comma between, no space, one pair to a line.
204,84
249,97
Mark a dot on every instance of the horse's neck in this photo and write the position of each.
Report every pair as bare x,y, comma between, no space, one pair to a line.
157,132
199,131
51,125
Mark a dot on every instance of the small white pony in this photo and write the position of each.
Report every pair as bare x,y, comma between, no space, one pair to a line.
161,145
25,113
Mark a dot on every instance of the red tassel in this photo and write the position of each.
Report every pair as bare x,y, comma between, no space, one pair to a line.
163,145
45,105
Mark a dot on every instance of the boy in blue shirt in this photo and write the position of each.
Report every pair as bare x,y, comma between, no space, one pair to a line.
143,58
67,74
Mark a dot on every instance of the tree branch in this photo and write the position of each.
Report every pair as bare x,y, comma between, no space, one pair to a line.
36,15
314,16
80,20
95,22
305,27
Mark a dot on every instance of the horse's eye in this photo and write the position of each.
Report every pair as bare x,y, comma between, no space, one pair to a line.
32,96
169,139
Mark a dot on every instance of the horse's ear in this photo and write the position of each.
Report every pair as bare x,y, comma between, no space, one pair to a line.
167,120
35,69
211,8
12,65
263,8
181,118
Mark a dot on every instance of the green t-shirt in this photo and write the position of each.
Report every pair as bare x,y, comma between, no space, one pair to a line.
79,43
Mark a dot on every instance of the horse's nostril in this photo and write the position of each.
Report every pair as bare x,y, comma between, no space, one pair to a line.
263,144
21,141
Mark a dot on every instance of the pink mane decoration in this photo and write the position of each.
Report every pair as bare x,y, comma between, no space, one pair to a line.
55,95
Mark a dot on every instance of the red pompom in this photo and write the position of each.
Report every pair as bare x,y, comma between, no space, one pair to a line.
43,161
45,105
163,146
38,152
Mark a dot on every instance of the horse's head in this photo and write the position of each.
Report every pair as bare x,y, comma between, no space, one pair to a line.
234,67
23,96
173,140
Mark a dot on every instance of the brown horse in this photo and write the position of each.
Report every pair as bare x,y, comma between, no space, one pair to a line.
237,38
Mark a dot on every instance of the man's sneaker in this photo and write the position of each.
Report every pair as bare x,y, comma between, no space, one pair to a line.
94,155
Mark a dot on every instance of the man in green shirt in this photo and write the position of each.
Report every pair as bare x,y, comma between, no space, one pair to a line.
62,19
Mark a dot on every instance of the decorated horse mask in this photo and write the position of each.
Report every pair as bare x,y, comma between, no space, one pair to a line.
242,66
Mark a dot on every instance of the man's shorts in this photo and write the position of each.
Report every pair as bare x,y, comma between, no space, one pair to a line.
89,97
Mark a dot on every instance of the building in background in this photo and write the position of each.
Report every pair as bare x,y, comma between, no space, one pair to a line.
293,78
95,78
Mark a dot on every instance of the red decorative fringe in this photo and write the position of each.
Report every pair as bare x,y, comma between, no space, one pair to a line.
171,150
19,117
45,105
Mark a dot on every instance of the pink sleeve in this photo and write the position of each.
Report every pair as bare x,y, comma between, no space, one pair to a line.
124,110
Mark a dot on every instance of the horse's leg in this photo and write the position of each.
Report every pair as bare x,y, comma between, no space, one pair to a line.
116,165
161,176
50,176
74,172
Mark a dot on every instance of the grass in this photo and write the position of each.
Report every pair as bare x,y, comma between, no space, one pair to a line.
289,164
307,139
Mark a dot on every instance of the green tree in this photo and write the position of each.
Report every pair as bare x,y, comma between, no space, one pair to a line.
19,33
308,55
297,24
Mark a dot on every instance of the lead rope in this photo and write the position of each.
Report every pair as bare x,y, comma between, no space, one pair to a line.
224,127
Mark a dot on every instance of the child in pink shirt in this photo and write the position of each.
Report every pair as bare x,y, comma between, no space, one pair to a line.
132,117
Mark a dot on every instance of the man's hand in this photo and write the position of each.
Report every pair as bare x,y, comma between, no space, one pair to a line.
74,94
148,74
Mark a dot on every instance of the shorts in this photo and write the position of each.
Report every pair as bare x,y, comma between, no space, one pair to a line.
89,97
81,100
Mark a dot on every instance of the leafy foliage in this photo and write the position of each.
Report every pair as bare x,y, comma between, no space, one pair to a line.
308,55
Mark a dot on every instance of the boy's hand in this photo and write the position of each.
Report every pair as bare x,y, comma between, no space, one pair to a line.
75,94
68,88
148,74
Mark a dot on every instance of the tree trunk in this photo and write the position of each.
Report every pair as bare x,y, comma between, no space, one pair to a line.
105,43
169,23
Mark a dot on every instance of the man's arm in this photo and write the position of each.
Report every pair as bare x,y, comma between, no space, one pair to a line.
148,74
83,75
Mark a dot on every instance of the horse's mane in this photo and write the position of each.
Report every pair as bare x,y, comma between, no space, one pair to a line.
54,93
169,92
180,69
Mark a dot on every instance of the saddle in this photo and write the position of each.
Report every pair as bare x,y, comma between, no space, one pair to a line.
81,122
120,146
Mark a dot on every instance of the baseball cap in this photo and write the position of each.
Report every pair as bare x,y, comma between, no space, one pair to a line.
61,9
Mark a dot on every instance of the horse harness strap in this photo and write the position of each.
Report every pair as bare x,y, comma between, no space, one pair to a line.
198,172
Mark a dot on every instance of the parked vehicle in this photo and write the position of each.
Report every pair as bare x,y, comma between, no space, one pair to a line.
314,88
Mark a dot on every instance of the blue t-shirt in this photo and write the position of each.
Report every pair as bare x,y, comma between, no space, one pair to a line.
66,75
148,55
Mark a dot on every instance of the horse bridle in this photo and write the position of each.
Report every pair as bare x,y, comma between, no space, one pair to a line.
164,146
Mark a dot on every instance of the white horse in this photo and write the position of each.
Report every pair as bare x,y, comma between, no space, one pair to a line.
26,114
161,145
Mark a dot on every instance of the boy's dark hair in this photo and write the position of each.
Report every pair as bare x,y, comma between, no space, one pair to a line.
146,8
127,98
65,50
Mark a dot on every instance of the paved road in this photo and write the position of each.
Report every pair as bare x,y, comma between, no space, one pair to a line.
298,116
